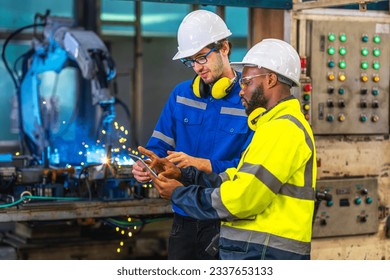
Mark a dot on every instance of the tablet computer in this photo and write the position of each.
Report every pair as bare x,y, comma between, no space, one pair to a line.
144,163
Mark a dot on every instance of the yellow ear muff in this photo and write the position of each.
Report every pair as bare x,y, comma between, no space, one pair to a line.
221,88
196,86
252,122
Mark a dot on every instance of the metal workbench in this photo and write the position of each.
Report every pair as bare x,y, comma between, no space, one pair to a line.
46,211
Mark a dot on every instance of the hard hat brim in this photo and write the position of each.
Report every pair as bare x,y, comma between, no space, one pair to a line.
180,55
239,66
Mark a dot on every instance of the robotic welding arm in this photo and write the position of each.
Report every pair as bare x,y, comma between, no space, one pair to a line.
60,45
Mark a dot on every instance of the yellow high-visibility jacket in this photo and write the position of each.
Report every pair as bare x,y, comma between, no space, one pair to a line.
267,202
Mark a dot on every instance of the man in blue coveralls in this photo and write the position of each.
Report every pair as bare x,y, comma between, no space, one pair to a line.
203,123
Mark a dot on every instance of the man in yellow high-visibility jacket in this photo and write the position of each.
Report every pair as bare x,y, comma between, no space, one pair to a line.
267,202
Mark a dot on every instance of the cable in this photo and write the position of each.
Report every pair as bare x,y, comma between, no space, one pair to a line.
23,199
13,34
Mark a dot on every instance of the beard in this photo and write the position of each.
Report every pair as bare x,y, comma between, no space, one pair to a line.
257,100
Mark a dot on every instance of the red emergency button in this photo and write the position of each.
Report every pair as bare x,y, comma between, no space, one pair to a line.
307,88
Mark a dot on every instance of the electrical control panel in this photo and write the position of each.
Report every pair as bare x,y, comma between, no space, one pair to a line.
353,209
349,66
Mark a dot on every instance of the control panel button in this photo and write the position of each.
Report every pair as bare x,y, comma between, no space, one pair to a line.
331,37
330,118
376,52
375,118
358,201
331,51
341,117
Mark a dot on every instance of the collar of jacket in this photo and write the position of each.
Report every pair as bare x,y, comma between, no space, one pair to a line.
261,115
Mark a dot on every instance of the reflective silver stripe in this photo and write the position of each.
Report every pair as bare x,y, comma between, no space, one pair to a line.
224,176
191,103
307,192
170,141
274,184
262,238
261,173
233,111
222,211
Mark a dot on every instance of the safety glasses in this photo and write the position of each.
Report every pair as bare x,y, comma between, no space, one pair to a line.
200,59
246,81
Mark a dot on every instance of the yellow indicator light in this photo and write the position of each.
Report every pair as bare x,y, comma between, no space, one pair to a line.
364,78
306,107
342,77
374,118
331,76
375,78
341,117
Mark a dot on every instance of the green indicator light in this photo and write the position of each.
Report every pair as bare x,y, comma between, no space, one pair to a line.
343,37
376,52
365,38
331,64
375,92
364,52
376,65
364,65
343,51
331,51
358,200
341,91
342,64
377,39
331,37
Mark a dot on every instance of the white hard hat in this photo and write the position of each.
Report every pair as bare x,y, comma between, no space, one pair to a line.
197,30
275,55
